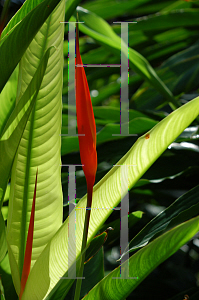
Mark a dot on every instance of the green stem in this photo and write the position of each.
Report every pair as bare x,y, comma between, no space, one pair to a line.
84,241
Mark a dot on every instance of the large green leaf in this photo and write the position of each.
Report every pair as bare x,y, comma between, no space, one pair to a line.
21,30
14,128
144,262
106,196
101,31
39,149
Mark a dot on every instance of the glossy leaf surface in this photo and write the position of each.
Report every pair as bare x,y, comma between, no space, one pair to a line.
39,148
107,193
14,128
144,262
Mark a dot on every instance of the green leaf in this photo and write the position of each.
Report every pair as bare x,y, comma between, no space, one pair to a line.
39,149
101,31
21,30
2,291
3,244
6,277
107,194
95,245
93,273
165,20
184,208
113,8
16,123
7,99
133,218
180,72
142,263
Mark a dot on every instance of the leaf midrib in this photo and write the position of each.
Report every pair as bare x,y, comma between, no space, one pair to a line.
27,172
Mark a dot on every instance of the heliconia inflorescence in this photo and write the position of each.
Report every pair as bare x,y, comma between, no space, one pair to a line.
85,121
87,145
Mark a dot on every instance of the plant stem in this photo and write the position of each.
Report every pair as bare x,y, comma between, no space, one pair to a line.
84,241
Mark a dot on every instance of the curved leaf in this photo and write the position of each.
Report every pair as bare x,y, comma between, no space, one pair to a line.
39,148
165,20
14,128
184,208
106,196
21,30
144,262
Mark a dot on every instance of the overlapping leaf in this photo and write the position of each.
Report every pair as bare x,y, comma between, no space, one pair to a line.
14,128
39,148
144,262
107,194
180,211
21,30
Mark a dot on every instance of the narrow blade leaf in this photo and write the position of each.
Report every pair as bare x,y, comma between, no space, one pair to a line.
28,252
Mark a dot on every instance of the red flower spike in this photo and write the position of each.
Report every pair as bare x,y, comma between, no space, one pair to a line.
28,251
85,121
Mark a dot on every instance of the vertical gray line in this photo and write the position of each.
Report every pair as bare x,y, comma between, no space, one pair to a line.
124,229
124,101
124,92
71,229
71,80
124,233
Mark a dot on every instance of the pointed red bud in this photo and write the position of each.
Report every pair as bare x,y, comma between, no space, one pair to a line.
85,121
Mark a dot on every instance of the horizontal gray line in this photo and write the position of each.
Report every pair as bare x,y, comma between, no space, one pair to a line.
99,66
113,208
124,22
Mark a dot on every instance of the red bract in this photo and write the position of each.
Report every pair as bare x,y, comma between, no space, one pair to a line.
85,121
28,252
